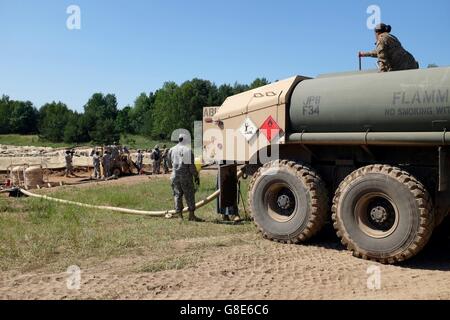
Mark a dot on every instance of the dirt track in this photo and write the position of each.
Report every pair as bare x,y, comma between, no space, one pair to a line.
247,268
244,267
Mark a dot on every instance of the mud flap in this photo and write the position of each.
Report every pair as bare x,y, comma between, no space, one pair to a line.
227,202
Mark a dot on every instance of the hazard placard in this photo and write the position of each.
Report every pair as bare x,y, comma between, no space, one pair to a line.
248,129
270,128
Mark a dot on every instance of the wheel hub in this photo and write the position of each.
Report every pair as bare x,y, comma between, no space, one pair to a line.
281,201
284,202
376,214
379,214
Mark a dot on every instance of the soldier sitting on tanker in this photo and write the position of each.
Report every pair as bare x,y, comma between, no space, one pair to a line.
389,51
184,173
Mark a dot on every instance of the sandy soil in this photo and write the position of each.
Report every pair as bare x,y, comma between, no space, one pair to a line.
51,158
246,268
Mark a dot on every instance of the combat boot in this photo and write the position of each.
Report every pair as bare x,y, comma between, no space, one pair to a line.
237,219
192,217
174,216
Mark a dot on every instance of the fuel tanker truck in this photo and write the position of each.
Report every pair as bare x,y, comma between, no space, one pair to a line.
367,151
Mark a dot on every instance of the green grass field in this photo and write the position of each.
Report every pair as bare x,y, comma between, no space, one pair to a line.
141,142
36,234
28,140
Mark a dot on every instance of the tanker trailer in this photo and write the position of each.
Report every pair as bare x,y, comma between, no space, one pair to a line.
368,151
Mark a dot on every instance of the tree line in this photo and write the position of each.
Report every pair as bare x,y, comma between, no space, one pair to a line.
154,115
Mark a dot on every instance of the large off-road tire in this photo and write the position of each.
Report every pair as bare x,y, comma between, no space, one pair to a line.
382,213
116,172
288,201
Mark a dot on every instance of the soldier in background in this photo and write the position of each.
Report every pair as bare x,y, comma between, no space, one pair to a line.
165,159
96,163
69,163
106,164
389,51
156,157
183,175
140,161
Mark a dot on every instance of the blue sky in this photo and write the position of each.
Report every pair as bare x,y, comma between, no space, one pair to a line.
129,47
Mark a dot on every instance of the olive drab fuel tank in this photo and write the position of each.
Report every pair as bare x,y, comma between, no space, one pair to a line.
403,101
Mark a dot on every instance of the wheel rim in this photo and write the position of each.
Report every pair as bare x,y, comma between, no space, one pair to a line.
116,172
280,202
377,215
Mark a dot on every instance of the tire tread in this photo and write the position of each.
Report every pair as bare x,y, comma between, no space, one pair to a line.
423,200
318,199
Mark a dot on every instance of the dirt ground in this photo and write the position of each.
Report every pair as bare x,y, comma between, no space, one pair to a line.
83,178
244,267
251,269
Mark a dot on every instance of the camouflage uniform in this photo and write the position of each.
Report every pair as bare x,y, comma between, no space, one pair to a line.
182,162
391,55
156,157
140,161
69,167
107,165
165,159
96,163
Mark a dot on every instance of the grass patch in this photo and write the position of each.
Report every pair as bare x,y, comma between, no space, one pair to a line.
35,233
142,142
28,140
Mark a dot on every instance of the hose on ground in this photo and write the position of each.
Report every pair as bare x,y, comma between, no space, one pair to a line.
160,213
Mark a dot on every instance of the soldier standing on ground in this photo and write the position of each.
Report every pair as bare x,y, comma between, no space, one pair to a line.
165,159
140,161
156,157
106,165
389,51
69,167
181,159
96,163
